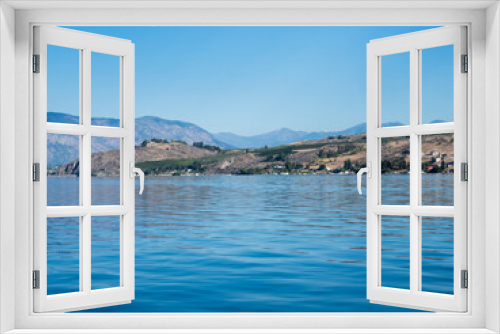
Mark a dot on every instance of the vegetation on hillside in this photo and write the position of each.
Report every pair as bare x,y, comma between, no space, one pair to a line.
196,165
334,154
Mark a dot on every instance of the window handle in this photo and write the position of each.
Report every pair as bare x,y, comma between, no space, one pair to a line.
368,172
137,171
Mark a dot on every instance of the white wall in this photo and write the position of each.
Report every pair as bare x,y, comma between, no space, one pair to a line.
7,159
492,164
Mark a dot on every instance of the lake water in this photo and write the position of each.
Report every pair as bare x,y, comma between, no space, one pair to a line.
257,243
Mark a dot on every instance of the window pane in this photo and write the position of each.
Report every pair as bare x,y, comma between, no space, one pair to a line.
396,251
437,169
105,171
395,167
105,89
63,255
395,89
63,168
63,85
105,252
437,84
437,255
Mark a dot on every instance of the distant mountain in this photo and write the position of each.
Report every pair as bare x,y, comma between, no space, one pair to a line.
64,148
361,128
273,138
287,136
148,127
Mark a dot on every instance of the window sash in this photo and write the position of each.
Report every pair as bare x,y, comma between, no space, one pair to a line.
86,297
413,43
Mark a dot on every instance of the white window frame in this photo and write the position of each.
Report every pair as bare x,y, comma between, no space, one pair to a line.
483,124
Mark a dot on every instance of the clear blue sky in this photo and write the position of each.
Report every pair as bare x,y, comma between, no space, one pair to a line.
250,80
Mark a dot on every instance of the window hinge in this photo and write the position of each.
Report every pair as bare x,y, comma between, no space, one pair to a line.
36,279
465,279
465,64
36,63
464,171
36,172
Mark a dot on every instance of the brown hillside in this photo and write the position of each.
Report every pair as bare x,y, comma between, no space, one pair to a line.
108,162
337,153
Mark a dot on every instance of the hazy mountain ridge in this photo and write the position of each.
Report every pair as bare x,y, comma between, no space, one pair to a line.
148,127
273,138
285,136
63,148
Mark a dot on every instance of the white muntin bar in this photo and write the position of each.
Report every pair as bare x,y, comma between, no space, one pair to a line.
415,249
81,130
85,171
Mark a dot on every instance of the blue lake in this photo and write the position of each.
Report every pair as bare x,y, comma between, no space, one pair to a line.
270,243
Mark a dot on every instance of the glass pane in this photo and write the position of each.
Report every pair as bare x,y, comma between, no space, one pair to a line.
395,168
63,255
105,171
63,85
437,84
63,169
395,89
105,252
395,251
105,90
437,169
437,255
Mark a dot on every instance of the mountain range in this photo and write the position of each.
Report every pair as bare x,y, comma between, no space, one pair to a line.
62,148
148,127
285,136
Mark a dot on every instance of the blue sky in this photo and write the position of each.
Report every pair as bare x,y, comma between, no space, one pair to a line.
251,80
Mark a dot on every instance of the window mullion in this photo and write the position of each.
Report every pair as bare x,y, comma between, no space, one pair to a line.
414,171
85,173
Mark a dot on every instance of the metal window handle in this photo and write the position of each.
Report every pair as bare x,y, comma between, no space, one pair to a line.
137,171
368,172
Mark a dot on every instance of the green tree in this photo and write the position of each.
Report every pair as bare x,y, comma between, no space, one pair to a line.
386,166
348,164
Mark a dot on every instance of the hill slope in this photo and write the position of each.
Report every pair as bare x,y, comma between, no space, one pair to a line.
105,163
331,154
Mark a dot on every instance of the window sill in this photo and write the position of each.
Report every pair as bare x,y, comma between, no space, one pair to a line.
250,331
